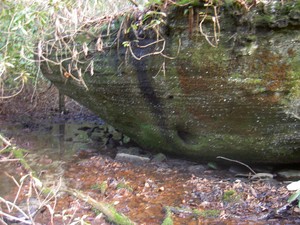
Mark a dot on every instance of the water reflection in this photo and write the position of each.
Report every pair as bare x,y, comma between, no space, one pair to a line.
49,146
6,183
61,143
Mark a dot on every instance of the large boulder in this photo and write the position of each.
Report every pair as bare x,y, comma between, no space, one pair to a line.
195,81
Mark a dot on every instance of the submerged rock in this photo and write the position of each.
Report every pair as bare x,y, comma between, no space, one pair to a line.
227,92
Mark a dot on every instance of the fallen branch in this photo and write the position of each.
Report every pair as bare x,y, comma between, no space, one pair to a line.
236,161
4,159
37,200
13,219
108,210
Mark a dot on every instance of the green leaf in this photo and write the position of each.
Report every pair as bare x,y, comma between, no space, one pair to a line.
19,17
126,43
134,26
294,196
23,30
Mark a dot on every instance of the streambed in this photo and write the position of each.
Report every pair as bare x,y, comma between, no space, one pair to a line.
66,148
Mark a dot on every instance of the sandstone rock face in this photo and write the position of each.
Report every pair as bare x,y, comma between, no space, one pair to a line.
174,92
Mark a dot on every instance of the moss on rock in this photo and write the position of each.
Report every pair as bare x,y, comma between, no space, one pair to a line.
205,101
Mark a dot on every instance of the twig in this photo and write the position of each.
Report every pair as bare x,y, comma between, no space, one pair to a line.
236,161
149,54
134,3
9,160
14,95
202,32
6,142
13,217
216,25
35,192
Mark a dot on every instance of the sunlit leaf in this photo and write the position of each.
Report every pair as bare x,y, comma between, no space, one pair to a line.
134,26
14,28
9,65
23,30
37,182
22,179
18,17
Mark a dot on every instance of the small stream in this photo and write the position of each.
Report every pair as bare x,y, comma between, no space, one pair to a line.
50,145
82,151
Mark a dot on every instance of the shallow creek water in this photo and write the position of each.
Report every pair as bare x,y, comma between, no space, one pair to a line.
49,145
140,191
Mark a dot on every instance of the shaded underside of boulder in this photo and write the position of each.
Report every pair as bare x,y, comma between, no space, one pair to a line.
186,88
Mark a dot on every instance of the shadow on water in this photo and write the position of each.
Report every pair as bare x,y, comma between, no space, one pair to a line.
62,129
